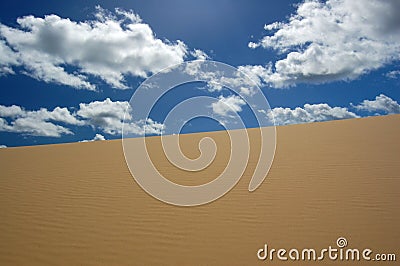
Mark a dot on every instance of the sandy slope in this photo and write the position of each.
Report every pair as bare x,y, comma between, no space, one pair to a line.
78,204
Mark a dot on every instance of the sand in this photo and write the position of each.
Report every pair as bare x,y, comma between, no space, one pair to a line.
77,204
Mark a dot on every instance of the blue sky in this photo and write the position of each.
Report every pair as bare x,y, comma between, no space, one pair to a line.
68,69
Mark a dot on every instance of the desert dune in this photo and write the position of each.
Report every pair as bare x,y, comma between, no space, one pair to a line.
77,203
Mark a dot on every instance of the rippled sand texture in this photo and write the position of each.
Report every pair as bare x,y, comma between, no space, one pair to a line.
78,204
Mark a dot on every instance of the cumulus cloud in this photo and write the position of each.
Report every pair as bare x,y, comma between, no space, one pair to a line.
35,127
145,127
309,113
108,116
11,111
226,105
332,40
110,47
97,137
382,103
8,58
36,123
105,115
258,74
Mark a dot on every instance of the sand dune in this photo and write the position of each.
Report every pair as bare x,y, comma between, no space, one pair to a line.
77,203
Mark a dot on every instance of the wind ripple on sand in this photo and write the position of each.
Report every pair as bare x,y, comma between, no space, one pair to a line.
76,204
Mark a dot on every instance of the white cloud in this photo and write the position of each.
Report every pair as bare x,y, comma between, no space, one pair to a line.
199,54
309,113
247,91
105,115
8,58
195,69
382,103
59,114
35,127
216,80
11,111
97,137
393,74
36,123
108,116
142,127
111,47
257,74
332,40
226,105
